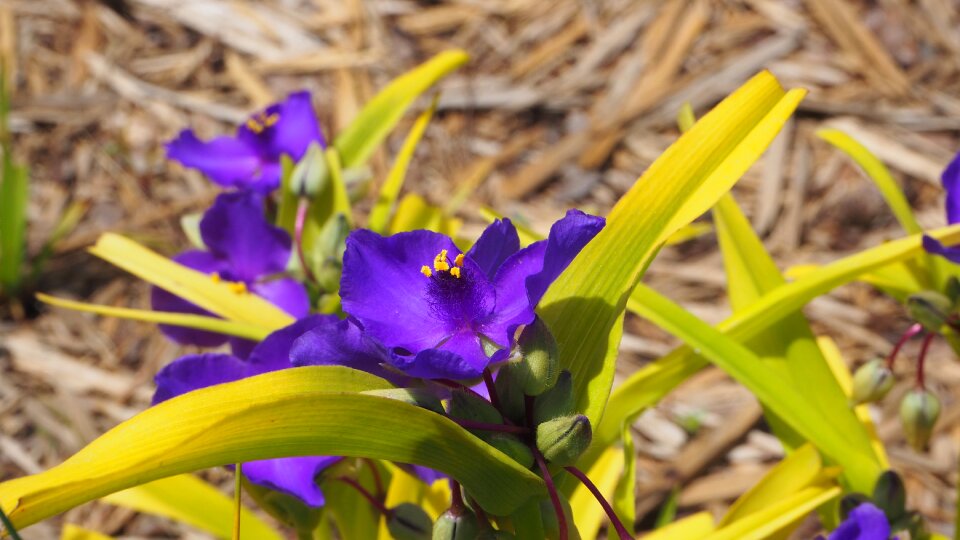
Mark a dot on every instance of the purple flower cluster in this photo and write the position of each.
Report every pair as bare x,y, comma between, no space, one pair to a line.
951,184
415,305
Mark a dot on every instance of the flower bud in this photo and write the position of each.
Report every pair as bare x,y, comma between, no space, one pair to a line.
510,392
452,527
929,308
555,402
890,495
539,367
551,526
409,522
871,382
918,412
286,509
511,446
468,406
310,174
414,396
563,439
850,502
952,289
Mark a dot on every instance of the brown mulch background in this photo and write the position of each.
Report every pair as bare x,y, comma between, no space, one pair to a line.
564,104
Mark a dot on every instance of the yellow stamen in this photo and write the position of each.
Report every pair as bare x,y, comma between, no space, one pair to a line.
238,287
440,263
254,126
455,272
425,270
215,277
271,119
458,262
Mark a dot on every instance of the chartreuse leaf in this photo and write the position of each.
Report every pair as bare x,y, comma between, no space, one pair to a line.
14,192
381,114
625,497
187,499
649,384
298,411
781,515
74,532
691,527
390,190
415,213
197,287
680,185
588,515
200,322
350,513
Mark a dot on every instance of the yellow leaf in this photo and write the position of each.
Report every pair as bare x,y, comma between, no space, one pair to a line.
778,516
588,515
73,532
693,527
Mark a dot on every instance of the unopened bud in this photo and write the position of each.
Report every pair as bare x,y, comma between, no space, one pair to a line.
929,308
918,413
539,367
414,396
871,382
890,495
510,392
511,446
468,406
409,522
456,527
555,402
310,174
551,526
562,440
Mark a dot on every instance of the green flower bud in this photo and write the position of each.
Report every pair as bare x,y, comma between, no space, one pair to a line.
540,366
555,402
451,527
409,522
563,439
918,412
890,495
929,308
414,396
871,382
511,446
510,392
286,509
551,526
850,502
468,406
310,175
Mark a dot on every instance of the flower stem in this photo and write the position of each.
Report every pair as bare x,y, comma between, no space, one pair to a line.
486,426
303,204
457,507
912,331
611,515
377,479
552,491
237,491
491,389
366,494
921,360
8,526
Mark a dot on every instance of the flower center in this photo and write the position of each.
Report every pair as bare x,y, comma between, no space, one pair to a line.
237,287
441,264
262,121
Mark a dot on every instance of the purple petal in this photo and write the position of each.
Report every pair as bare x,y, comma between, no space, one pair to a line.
226,161
932,245
865,522
274,352
498,242
382,286
340,343
196,371
286,293
235,230
951,184
294,476
567,237
428,475
460,357
162,300
287,127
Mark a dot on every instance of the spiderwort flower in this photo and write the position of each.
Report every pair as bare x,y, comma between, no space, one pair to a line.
251,158
438,310
865,522
293,476
951,184
245,251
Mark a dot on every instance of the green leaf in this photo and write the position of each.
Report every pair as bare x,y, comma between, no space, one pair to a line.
680,185
785,513
14,191
380,214
293,412
625,496
358,141
187,499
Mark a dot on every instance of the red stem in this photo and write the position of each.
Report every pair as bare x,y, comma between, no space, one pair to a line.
611,515
491,389
552,490
366,494
377,479
457,507
302,205
921,360
912,331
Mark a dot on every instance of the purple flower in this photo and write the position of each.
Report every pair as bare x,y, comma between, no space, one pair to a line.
436,309
951,184
244,250
865,522
294,475
251,159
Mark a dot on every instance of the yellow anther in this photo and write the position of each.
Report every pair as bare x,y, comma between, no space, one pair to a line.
238,287
425,270
458,262
215,277
271,119
455,271
440,263
254,126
